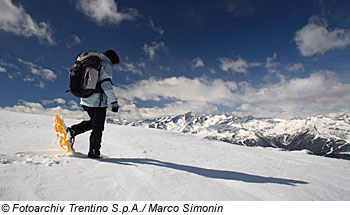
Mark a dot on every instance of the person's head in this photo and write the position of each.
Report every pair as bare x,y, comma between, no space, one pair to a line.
112,55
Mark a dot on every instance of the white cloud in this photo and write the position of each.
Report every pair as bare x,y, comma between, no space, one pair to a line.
240,65
271,64
150,50
317,38
29,64
244,107
41,85
38,108
2,69
46,74
74,105
69,109
71,105
14,19
76,39
57,100
166,68
28,79
106,11
182,95
295,67
8,65
131,67
32,72
197,62
319,93
141,64
158,29
212,71
173,109
179,88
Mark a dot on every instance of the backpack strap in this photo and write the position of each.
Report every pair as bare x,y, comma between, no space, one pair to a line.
107,79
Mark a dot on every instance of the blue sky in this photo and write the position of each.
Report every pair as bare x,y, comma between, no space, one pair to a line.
248,57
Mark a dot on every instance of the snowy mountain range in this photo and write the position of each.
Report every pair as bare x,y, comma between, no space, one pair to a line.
327,135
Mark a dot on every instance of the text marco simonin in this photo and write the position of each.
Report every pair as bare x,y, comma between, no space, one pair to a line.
130,208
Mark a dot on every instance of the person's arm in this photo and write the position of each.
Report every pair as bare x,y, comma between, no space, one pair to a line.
108,90
106,83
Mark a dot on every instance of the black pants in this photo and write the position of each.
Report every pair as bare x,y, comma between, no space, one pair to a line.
96,124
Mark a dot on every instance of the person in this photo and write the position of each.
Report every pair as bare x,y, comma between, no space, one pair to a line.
96,106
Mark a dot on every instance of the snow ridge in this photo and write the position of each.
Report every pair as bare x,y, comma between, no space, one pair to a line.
327,135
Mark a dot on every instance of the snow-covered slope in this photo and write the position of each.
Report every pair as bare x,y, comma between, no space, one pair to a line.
323,135
151,164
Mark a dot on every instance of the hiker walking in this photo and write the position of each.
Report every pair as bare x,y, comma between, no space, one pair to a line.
96,104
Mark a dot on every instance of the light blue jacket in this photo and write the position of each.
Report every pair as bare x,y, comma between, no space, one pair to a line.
108,96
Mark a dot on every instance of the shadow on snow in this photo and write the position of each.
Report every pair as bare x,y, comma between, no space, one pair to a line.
210,173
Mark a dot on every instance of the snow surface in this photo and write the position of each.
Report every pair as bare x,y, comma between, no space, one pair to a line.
150,164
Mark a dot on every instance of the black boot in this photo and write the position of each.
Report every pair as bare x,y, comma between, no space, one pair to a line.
71,137
94,154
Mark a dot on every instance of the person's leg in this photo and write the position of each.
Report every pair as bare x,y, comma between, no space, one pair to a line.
82,126
98,117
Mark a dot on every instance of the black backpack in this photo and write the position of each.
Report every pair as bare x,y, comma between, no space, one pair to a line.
84,75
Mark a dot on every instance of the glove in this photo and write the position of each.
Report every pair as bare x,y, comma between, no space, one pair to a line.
115,106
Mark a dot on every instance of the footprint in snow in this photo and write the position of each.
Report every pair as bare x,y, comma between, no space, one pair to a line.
28,158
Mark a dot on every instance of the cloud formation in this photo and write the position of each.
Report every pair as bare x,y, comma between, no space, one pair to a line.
294,67
197,62
14,19
173,96
319,93
179,88
38,108
75,40
3,69
58,101
135,68
239,65
151,50
28,72
106,11
317,38
271,64
155,28
46,74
